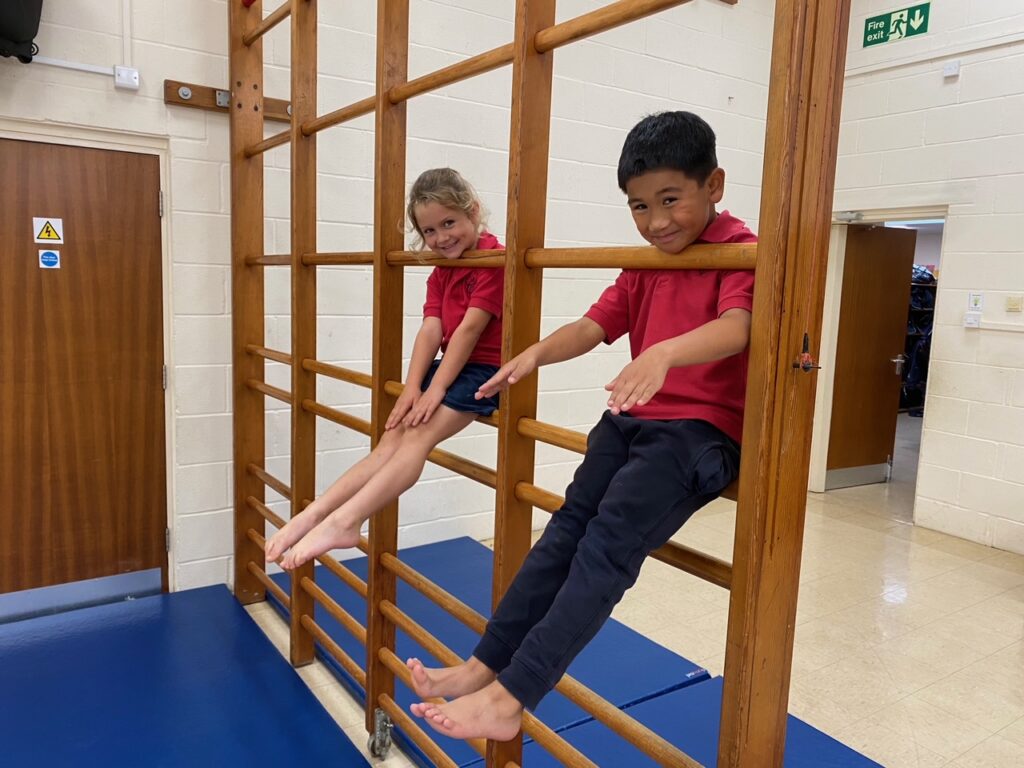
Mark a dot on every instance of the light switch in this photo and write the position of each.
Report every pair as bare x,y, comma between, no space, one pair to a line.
1014,303
972,319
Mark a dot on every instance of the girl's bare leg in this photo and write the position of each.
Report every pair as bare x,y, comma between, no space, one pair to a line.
340,529
343,489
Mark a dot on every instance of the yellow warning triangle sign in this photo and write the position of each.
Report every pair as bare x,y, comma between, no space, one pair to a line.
48,233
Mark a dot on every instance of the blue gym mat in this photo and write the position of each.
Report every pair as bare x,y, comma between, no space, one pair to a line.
177,680
464,567
689,718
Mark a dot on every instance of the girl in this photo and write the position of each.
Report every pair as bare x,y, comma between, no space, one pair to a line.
461,317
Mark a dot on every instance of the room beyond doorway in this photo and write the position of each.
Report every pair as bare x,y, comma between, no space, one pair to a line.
883,278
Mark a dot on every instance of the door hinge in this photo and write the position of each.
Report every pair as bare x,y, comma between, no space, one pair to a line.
163,378
167,539
161,202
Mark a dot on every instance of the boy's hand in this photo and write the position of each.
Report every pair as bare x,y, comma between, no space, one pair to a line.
406,401
638,382
425,406
519,367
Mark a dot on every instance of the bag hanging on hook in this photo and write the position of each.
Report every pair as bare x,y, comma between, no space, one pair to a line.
19,23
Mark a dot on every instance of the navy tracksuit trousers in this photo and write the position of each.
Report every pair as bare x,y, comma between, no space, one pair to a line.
639,482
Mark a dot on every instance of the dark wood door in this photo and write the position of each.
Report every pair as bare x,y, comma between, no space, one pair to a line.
82,460
872,335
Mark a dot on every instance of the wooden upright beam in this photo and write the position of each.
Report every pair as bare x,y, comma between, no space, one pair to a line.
529,140
388,214
303,240
808,58
246,70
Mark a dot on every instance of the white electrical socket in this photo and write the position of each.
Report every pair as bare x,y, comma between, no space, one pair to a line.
972,319
127,78
951,68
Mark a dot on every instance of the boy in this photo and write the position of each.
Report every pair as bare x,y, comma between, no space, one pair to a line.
668,444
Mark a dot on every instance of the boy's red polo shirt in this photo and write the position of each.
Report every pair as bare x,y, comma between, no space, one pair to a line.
655,305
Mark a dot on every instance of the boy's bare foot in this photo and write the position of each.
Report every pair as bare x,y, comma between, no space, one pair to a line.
449,682
334,532
293,530
490,713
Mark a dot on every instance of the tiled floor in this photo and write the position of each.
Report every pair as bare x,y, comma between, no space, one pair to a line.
909,643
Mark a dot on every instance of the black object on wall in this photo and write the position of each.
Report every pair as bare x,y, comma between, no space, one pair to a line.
19,23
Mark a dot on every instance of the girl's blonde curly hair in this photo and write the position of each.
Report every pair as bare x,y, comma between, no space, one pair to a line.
446,187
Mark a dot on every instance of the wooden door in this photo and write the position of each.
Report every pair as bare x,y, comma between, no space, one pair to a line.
82,465
872,332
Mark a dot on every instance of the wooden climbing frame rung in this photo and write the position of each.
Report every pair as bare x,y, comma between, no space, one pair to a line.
282,12
719,256
799,160
463,70
339,116
601,20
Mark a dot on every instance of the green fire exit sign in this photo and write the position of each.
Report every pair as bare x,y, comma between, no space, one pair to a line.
897,25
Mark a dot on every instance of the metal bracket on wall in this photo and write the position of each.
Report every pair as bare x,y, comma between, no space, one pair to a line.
218,100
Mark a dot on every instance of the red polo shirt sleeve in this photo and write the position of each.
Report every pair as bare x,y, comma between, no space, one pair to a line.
736,291
488,291
435,292
611,310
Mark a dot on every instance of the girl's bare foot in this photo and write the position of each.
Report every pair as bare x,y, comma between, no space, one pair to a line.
449,682
293,530
334,532
490,713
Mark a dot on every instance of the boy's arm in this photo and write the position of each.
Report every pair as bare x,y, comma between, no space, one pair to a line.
567,342
460,347
428,341
639,381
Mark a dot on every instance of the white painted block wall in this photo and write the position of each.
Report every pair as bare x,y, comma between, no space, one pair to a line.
706,56
912,137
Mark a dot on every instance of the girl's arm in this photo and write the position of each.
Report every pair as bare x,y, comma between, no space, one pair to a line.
640,380
428,341
460,347
569,341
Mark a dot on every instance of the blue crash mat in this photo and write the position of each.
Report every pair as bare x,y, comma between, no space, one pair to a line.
464,567
689,718
175,680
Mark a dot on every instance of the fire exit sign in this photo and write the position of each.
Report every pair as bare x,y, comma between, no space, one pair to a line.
896,25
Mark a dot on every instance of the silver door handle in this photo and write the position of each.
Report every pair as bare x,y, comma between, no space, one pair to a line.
899,360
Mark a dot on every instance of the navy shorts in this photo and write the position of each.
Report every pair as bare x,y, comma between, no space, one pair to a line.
460,394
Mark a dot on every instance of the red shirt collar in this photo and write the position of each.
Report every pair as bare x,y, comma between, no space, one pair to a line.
723,229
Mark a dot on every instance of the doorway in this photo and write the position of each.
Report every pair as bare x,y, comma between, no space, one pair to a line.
82,443
876,338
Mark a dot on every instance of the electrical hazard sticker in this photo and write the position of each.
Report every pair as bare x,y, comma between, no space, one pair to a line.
48,231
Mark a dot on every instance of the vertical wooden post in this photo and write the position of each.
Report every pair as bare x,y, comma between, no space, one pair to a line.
303,240
388,216
808,58
529,142
246,71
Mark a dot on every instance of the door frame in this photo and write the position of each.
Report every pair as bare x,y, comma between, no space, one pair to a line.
71,135
822,424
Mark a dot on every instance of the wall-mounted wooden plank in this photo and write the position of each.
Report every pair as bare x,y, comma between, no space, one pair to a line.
205,97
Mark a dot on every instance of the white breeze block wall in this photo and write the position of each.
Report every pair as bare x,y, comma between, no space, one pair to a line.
912,137
602,87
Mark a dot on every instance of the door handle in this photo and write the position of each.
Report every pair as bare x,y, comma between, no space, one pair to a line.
899,360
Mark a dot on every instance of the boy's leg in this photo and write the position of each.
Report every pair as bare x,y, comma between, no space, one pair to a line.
547,564
540,577
674,468
398,474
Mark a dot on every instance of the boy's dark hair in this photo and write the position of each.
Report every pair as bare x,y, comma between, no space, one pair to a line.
676,141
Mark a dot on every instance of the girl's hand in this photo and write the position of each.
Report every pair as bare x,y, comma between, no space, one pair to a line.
638,382
425,407
405,403
519,367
